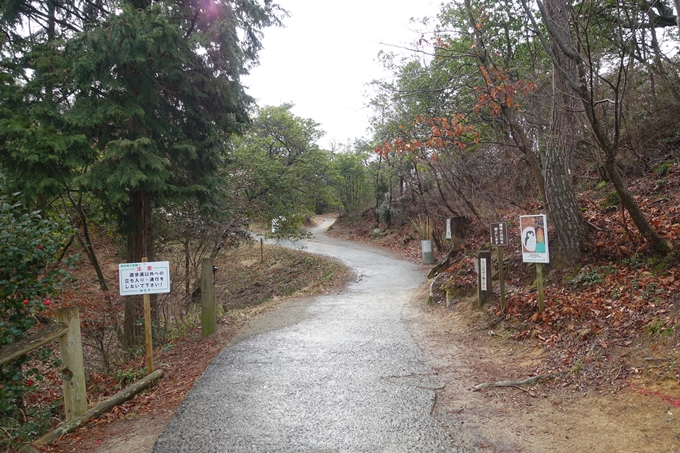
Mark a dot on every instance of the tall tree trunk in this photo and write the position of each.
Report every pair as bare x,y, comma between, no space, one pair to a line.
139,245
563,208
607,145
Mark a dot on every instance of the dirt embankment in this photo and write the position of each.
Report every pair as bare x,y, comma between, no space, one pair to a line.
548,416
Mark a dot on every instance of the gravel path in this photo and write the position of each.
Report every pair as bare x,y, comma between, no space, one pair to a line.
337,373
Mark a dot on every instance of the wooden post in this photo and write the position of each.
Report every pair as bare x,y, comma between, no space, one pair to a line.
25,345
539,286
96,411
147,330
484,278
501,276
72,370
208,304
261,250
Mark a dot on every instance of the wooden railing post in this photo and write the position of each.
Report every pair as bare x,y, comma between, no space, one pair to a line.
208,304
73,372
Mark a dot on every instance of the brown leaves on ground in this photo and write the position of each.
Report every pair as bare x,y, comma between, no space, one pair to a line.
603,317
249,281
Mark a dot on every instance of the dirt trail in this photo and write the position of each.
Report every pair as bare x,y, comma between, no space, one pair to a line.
546,417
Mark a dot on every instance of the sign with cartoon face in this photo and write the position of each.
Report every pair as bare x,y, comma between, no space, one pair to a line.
534,236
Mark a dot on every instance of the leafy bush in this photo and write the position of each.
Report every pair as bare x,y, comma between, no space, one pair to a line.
29,276
288,229
663,168
611,202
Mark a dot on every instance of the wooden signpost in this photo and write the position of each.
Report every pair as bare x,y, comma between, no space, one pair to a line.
534,236
145,278
484,288
499,239
208,302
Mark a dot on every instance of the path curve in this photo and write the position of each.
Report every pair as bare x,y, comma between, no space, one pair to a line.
336,373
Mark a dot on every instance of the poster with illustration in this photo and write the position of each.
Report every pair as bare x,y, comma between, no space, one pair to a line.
534,236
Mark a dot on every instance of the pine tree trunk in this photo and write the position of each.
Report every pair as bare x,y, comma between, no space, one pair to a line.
563,207
608,146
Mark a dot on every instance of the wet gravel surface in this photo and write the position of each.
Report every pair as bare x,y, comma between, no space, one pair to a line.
337,373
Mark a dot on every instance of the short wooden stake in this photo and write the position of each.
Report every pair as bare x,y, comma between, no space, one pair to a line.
501,276
539,286
484,278
208,304
72,369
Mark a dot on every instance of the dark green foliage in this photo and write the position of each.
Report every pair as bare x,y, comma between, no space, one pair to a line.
129,101
124,97
278,167
29,275
157,108
352,181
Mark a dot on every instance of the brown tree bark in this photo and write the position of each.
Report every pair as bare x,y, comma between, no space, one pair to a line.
608,145
563,207
139,245
86,242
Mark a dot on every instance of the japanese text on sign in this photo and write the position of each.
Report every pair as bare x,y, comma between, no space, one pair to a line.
499,234
482,274
144,278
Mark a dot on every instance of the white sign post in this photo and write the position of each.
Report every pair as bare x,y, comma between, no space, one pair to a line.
145,278
534,236
499,239
448,228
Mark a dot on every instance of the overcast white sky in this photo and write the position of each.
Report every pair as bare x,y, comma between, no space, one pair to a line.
327,53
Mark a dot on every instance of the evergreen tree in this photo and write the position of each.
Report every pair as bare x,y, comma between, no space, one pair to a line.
130,100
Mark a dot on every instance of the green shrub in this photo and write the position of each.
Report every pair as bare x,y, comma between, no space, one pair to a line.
662,168
29,276
611,201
